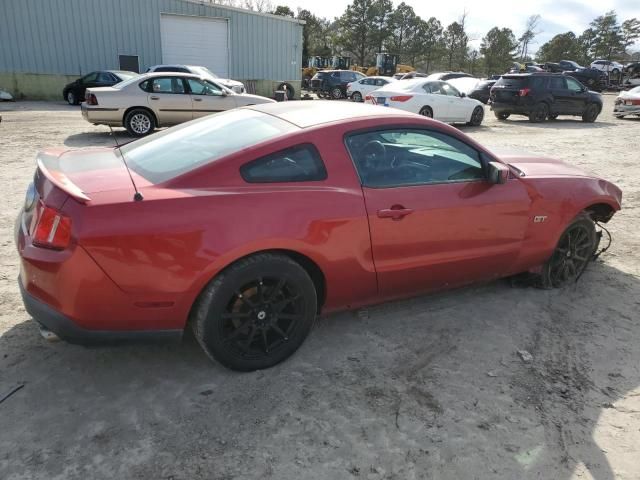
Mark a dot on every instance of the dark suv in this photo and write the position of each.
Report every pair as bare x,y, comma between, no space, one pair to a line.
333,83
542,96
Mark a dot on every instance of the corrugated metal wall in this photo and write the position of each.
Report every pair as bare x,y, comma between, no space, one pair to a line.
77,36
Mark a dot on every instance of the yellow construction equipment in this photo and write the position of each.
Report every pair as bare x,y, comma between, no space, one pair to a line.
387,65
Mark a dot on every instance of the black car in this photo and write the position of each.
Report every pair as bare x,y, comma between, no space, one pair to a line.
591,77
542,96
569,65
552,67
74,91
481,90
333,83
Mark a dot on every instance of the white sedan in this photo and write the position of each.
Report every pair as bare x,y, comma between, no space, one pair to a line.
627,103
153,100
435,99
358,90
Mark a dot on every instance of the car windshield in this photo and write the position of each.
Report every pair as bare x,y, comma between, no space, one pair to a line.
464,84
178,150
203,71
407,85
126,75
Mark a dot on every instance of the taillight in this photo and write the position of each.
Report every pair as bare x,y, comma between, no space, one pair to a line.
401,98
91,99
523,92
368,97
635,102
53,229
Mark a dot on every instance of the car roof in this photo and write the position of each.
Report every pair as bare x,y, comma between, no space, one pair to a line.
171,74
306,114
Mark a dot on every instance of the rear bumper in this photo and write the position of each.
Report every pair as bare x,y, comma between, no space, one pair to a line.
102,115
621,110
511,108
68,330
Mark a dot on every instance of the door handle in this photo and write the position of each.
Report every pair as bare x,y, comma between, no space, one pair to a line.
197,99
155,98
397,212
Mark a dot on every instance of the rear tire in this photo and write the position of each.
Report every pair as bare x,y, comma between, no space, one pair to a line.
426,111
139,122
336,93
539,113
256,313
590,113
356,97
476,117
501,115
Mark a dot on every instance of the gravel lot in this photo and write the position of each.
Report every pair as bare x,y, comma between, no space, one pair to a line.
427,388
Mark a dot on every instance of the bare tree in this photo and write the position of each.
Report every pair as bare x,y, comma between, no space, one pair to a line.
529,34
258,5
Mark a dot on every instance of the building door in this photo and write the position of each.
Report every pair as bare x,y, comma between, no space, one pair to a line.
199,41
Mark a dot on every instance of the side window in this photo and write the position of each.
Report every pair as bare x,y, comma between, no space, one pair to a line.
335,74
396,158
557,83
432,88
366,81
573,85
203,87
381,81
165,85
449,90
90,78
104,77
297,164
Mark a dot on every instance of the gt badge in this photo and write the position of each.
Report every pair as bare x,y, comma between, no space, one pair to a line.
539,218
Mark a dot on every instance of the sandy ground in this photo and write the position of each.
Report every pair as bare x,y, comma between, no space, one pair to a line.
427,388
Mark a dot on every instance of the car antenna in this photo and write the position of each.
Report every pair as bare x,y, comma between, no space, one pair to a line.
136,196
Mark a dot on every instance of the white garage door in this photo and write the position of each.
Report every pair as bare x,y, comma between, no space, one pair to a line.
195,41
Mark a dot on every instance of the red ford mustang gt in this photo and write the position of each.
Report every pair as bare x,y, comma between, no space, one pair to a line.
249,223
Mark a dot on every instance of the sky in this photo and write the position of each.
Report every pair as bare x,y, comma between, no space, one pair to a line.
558,16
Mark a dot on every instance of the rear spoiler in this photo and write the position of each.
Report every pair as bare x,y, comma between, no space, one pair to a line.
49,165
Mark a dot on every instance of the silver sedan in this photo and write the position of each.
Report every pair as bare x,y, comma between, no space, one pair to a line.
153,100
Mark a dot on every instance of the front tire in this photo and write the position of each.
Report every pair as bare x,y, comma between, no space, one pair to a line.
539,113
573,252
501,115
71,98
356,97
256,313
590,113
139,122
426,112
476,117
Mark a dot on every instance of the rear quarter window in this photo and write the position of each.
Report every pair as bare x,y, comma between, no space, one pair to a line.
298,164
513,82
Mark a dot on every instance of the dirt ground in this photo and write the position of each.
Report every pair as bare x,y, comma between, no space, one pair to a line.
429,388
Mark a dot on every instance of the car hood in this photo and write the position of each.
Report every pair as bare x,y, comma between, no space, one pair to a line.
228,81
532,166
249,99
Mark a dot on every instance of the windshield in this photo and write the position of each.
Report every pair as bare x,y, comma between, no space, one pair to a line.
203,71
126,75
180,149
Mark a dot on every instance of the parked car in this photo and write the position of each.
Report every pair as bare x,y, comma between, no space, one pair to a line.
592,78
569,65
74,92
429,98
607,66
154,100
444,76
627,103
333,83
250,223
542,96
359,89
481,91
552,67
234,85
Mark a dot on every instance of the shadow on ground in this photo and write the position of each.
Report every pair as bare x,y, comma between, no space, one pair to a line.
425,388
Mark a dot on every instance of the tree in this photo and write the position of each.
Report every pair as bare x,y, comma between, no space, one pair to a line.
455,39
529,34
258,5
562,46
608,40
403,24
630,32
354,29
381,28
283,11
432,41
498,48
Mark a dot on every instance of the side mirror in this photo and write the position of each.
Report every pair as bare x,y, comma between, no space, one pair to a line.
498,173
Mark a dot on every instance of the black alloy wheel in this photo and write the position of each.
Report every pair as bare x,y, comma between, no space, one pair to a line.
256,313
426,112
476,117
501,115
573,252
